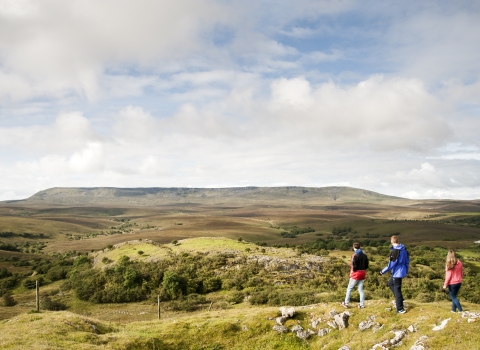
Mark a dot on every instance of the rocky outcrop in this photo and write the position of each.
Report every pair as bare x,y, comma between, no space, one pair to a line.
420,343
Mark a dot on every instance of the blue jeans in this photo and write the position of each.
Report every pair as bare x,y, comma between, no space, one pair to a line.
453,290
395,285
351,284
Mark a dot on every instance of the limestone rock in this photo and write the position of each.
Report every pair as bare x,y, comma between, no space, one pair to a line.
315,323
287,311
332,313
280,329
281,320
420,343
398,337
297,328
323,332
369,322
342,320
441,325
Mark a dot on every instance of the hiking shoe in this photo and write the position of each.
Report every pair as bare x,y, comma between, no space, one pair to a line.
402,311
344,304
361,306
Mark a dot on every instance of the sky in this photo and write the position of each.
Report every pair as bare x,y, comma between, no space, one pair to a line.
379,95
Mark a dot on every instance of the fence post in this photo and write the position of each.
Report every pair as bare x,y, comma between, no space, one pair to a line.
158,304
38,294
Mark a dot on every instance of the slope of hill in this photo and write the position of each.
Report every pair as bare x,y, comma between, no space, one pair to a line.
159,196
219,324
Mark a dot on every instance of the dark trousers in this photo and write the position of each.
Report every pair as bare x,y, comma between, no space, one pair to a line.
453,290
395,285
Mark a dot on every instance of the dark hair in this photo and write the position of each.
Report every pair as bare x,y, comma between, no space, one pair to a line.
356,245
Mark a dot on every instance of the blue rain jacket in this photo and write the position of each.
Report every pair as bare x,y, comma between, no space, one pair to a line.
399,262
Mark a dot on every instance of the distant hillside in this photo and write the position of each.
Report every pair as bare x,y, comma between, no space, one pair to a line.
234,195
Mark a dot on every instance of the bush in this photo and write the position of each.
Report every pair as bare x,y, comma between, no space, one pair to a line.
8,300
191,302
56,273
52,305
236,297
32,283
425,297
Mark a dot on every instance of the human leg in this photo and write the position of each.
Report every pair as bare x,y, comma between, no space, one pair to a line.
361,292
453,291
351,284
395,285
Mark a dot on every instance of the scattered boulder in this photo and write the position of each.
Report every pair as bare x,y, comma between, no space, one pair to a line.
280,329
332,324
441,325
381,346
342,320
412,328
287,311
395,341
315,323
398,337
332,313
305,334
472,316
281,320
323,332
297,328
368,323
420,343
345,347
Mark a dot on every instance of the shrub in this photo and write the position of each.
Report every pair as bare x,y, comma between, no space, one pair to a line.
8,300
236,297
31,283
425,297
4,273
52,305
174,284
56,273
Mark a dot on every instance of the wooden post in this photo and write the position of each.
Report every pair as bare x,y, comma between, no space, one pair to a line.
210,306
38,295
158,303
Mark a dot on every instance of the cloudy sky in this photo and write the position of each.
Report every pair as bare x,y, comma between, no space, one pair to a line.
380,95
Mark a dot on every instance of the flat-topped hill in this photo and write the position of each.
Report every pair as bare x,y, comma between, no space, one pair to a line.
246,195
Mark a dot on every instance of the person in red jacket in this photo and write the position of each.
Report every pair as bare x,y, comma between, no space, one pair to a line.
453,279
358,267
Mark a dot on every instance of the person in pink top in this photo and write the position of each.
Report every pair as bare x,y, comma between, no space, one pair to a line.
453,279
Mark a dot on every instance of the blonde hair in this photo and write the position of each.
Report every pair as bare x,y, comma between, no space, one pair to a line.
451,260
394,239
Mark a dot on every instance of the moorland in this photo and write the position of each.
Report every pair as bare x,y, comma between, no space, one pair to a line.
217,259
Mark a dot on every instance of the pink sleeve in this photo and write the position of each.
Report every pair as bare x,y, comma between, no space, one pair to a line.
448,276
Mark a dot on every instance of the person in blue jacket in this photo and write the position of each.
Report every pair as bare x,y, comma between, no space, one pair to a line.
398,264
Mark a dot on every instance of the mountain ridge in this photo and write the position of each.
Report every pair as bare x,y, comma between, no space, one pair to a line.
170,195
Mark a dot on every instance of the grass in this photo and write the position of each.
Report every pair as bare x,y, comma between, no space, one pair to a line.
244,327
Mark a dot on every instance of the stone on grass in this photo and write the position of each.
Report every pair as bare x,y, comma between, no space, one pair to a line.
287,311
441,325
323,332
280,329
420,343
